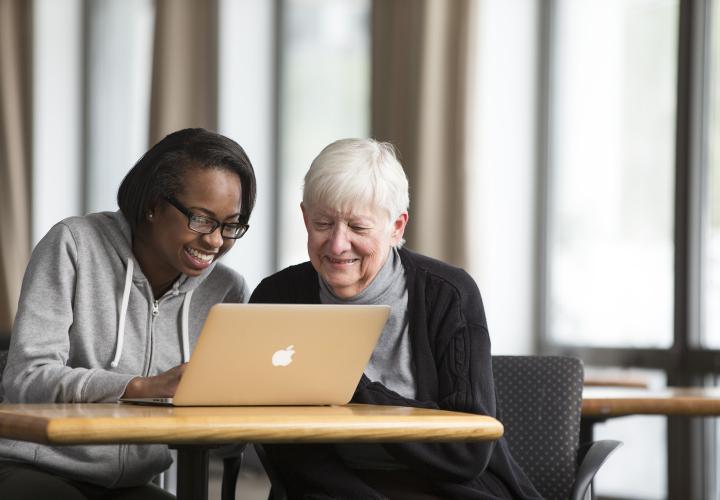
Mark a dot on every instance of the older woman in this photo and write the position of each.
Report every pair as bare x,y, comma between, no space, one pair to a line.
433,353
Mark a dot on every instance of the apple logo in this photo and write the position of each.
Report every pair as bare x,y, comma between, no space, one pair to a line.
283,357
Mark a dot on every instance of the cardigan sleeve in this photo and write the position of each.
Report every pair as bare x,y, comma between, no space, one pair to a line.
452,365
465,385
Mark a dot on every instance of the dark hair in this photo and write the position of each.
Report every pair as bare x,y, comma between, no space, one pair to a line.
160,171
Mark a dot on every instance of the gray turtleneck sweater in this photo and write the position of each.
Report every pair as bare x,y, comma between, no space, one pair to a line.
393,348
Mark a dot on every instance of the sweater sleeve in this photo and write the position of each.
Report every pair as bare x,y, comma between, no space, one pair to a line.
455,323
36,370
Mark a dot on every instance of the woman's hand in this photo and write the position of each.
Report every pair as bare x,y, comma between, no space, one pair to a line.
159,386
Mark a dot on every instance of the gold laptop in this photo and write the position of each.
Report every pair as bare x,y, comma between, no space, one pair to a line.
279,354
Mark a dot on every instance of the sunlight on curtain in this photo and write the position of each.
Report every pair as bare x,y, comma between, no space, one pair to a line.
15,140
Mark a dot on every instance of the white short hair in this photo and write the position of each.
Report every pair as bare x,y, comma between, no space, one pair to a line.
357,172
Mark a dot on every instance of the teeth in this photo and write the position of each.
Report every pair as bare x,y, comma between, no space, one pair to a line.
341,261
205,257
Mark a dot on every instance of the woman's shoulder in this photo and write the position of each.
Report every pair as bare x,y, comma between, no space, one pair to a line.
97,221
297,283
72,231
443,285
294,273
436,269
91,227
226,274
227,279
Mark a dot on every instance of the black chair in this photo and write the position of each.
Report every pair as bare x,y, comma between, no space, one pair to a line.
539,400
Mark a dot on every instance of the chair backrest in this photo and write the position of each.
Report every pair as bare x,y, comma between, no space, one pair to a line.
539,402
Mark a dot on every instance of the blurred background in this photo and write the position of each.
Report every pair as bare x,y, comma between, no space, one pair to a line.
565,152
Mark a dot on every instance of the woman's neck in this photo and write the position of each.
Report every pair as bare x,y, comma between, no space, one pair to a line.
160,275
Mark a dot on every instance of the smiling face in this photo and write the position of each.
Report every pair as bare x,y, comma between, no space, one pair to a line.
166,247
348,248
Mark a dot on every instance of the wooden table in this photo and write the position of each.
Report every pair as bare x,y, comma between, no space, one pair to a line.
615,381
601,403
616,402
193,431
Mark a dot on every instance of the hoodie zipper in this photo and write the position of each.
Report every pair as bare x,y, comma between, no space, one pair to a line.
151,340
123,448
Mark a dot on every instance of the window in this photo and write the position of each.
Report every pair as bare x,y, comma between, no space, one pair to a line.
632,208
611,173
324,96
711,227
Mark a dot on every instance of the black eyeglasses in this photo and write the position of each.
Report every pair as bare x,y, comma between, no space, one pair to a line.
206,225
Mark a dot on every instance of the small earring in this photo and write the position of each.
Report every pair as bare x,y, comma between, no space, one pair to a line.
150,215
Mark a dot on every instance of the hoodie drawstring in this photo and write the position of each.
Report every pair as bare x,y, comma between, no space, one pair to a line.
185,316
123,313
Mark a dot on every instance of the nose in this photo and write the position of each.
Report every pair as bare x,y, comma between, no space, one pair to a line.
339,240
215,238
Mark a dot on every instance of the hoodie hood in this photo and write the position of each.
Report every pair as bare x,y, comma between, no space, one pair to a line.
120,236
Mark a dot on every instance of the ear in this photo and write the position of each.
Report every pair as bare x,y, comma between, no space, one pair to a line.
151,210
398,228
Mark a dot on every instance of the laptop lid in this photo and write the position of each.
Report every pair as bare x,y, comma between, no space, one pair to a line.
280,354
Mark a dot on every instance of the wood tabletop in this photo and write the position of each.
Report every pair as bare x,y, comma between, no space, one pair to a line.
615,401
617,381
125,423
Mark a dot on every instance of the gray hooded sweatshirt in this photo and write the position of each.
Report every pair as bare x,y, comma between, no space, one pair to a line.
87,323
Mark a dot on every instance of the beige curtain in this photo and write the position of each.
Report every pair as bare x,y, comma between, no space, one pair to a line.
184,81
419,92
15,134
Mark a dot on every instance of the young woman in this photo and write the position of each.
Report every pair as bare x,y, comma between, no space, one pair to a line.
112,304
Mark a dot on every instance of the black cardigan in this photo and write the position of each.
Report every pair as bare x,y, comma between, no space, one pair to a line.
451,353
